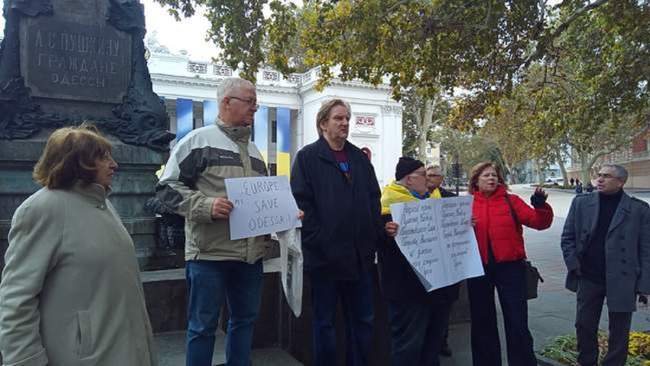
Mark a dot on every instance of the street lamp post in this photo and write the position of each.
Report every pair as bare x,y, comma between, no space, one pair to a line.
456,171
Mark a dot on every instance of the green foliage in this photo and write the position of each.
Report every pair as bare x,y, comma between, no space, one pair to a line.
237,27
421,44
564,350
467,148
538,80
589,95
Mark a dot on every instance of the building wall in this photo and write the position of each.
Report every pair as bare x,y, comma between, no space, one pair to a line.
635,158
375,123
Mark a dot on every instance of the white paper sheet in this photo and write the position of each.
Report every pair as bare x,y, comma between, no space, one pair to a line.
437,239
262,205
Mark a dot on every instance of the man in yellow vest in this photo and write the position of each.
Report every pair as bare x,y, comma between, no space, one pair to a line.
418,318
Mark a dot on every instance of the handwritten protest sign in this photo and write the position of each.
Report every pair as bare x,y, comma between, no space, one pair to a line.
262,205
437,239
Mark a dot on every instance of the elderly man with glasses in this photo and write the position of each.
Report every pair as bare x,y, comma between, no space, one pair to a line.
606,248
217,268
418,319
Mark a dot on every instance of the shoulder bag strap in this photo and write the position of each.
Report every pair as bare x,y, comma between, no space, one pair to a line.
514,214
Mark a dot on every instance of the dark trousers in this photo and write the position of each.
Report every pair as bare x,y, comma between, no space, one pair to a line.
510,282
417,332
357,303
590,298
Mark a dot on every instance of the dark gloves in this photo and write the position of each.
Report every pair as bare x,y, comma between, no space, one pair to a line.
538,199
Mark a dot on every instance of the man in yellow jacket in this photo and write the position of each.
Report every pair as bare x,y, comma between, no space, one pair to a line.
418,319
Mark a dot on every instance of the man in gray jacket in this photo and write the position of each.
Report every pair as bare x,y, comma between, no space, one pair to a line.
217,268
606,248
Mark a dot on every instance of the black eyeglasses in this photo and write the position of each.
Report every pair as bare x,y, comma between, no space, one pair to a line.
250,102
606,175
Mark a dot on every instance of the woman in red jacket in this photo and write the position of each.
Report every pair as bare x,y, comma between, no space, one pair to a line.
498,216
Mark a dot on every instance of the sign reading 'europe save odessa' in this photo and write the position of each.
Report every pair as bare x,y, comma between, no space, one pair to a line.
262,205
75,61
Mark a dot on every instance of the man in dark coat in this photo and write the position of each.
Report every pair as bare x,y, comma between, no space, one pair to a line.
434,185
418,319
606,248
336,187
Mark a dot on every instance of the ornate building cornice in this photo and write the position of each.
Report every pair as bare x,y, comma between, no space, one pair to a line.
164,79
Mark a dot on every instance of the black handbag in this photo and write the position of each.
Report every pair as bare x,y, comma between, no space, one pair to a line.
533,278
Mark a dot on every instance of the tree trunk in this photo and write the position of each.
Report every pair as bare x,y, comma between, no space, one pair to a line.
537,168
511,177
586,163
425,122
560,163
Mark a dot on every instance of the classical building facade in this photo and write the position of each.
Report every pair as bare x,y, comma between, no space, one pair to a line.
286,119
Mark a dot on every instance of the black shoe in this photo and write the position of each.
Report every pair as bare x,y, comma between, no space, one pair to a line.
445,351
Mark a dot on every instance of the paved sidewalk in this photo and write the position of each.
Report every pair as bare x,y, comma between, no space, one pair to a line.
171,352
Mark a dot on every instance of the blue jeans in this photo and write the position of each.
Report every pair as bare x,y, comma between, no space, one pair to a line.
509,279
209,282
357,303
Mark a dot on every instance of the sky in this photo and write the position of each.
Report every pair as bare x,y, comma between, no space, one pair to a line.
189,34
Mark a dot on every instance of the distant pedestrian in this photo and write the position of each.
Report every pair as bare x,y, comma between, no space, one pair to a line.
590,187
606,248
571,181
578,187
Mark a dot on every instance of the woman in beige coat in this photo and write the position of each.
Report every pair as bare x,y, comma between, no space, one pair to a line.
71,293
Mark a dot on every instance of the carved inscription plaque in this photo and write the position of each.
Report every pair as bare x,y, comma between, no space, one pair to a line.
65,60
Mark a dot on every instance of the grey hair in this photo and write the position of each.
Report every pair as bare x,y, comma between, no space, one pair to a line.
621,172
230,84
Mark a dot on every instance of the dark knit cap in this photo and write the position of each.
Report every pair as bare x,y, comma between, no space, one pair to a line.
406,166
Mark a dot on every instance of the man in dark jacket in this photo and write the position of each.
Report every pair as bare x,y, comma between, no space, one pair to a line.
606,248
418,319
336,187
434,185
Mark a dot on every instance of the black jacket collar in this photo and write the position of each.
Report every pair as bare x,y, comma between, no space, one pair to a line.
325,152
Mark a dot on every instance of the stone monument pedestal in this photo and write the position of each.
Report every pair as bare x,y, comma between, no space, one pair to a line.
133,185
63,62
